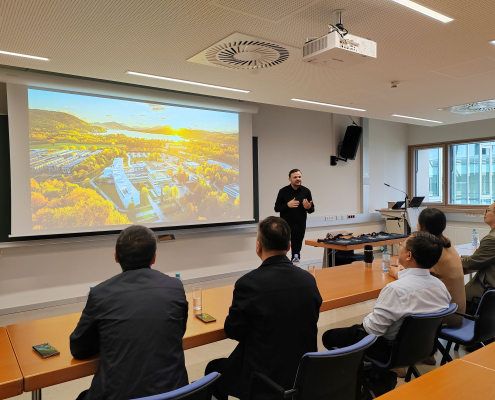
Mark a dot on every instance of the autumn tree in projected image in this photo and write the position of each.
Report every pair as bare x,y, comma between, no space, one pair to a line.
99,162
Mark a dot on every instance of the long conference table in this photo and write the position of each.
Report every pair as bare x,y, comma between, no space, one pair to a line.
10,374
339,286
469,377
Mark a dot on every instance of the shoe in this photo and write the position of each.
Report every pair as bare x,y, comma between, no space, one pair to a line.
431,360
401,372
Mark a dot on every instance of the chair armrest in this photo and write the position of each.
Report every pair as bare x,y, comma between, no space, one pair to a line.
467,316
269,382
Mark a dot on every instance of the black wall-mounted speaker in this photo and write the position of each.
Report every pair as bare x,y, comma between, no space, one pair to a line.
351,141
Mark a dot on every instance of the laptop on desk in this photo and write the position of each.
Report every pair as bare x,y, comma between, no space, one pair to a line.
398,205
416,202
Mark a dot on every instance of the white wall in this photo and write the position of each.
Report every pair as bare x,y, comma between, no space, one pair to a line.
287,138
387,162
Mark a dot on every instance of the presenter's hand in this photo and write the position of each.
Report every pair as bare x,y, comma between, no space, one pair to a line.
307,204
293,203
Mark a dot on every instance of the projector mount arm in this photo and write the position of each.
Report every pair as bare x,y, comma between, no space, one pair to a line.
339,26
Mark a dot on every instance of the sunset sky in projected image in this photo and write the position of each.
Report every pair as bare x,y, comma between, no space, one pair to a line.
133,113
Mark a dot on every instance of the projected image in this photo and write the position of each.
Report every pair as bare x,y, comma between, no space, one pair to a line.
99,162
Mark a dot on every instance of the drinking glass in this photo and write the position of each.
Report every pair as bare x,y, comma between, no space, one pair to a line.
311,269
197,297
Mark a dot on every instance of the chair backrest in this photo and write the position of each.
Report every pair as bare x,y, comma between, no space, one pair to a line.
198,390
333,374
417,337
484,327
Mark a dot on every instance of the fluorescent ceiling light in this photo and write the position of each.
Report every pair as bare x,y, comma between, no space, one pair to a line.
188,82
424,10
24,55
419,119
328,105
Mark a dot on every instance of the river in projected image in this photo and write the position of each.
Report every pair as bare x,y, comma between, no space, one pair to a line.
98,161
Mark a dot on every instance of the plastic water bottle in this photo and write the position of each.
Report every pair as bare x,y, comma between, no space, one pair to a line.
296,260
178,277
475,238
385,259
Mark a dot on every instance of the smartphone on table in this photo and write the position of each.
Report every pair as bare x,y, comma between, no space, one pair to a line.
206,317
46,350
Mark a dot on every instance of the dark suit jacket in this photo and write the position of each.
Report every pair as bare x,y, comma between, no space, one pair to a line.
136,321
274,317
483,261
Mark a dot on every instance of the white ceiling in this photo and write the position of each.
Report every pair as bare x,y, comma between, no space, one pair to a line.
438,65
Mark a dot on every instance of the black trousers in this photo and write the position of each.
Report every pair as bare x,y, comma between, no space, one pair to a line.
219,366
296,240
343,337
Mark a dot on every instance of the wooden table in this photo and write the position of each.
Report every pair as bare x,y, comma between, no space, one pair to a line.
339,286
456,380
484,357
334,247
10,374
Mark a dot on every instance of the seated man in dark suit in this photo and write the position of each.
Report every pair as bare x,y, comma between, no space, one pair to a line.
273,316
482,261
135,321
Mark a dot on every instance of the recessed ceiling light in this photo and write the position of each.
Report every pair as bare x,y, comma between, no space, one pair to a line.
419,119
24,55
183,81
492,42
423,10
328,105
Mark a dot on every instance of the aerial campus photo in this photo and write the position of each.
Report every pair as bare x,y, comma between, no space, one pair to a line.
98,161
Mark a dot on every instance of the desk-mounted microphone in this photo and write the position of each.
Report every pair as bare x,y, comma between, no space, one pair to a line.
407,197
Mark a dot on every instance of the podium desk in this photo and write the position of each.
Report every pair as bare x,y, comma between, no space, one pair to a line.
10,374
456,380
334,247
339,286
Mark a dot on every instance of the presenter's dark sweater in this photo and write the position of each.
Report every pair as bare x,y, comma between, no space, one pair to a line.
295,217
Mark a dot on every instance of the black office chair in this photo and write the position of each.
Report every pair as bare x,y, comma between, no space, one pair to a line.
414,342
333,374
198,390
475,328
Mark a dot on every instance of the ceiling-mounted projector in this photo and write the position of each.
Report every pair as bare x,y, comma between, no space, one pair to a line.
338,48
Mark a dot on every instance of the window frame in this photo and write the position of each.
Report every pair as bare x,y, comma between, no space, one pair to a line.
446,184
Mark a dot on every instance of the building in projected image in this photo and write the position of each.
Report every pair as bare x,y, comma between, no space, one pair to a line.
125,189
232,190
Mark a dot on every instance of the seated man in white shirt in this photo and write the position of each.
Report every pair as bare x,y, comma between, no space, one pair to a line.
415,292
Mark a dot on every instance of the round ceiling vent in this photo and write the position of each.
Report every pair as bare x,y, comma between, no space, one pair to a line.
472,108
247,54
242,52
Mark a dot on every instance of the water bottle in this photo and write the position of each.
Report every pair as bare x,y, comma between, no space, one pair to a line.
385,259
296,260
178,277
475,238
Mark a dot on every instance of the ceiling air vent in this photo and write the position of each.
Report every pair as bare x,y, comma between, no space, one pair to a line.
239,51
473,108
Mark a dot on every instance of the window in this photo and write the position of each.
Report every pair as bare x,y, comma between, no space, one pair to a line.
428,177
454,175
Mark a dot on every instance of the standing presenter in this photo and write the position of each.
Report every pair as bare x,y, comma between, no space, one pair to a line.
293,203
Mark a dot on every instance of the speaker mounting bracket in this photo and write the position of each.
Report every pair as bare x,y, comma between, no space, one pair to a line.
335,159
